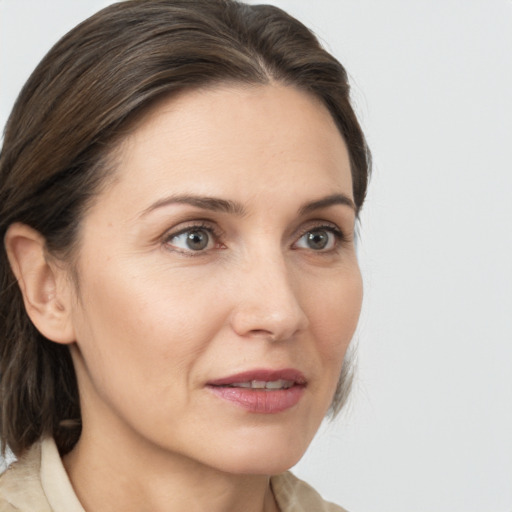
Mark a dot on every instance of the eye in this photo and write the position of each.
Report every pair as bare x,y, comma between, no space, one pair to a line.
194,239
319,239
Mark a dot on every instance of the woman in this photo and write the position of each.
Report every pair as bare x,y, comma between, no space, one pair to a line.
179,186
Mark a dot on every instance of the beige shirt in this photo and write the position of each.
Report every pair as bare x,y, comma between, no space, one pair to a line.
38,482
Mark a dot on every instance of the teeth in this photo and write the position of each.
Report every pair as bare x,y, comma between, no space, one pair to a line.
279,384
242,385
261,384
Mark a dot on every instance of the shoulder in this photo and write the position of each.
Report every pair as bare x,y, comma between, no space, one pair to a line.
20,485
295,495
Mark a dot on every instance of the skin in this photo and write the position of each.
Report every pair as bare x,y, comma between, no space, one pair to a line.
153,321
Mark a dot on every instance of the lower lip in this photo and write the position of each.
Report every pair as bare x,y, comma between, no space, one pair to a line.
259,400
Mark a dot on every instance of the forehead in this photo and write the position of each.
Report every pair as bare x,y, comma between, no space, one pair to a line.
234,140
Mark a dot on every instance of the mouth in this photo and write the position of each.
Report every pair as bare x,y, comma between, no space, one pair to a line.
262,384
261,391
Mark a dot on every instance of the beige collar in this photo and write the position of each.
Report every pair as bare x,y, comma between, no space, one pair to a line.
55,481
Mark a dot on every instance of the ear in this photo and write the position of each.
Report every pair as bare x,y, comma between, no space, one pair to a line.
44,285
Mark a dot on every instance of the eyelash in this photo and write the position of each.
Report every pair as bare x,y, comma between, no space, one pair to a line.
212,231
339,236
217,235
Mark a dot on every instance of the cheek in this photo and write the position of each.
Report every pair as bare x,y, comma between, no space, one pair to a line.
334,314
142,322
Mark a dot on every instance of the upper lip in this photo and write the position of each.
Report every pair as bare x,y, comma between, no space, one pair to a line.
261,374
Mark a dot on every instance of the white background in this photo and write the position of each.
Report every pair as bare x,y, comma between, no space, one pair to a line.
429,426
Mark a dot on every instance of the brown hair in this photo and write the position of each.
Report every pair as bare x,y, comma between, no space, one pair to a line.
76,104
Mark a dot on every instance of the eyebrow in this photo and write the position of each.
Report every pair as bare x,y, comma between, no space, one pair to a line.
216,204
213,204
325,202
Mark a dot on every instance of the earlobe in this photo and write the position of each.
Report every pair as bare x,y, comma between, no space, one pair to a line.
43,284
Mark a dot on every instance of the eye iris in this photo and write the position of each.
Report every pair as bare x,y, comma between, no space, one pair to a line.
317,239
197,240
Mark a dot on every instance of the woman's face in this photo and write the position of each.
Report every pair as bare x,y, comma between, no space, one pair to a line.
218,282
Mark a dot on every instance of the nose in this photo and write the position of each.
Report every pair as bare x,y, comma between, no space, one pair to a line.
267,302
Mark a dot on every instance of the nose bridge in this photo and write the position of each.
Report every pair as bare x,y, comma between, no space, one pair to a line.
269,298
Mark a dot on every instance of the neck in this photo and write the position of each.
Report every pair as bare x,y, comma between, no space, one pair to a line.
136,476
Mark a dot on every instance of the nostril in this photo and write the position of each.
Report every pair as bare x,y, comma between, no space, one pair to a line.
262,333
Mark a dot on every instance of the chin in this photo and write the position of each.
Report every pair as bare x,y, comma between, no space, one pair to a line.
262,456
262,464
265,446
